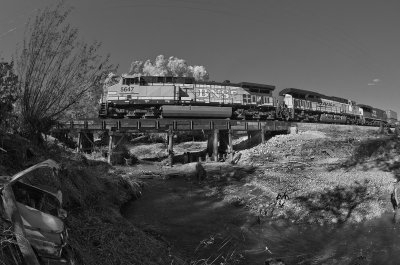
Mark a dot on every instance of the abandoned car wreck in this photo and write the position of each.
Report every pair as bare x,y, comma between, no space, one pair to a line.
35,215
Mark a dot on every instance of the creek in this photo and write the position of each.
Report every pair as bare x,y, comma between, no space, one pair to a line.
199,225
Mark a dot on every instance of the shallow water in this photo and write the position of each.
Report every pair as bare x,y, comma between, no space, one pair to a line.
182,214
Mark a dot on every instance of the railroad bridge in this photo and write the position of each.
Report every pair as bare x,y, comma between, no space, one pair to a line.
219,131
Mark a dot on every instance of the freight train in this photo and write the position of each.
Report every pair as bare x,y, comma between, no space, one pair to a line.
182,97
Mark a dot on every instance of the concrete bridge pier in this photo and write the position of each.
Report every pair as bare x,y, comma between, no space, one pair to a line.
212,144
219,142
215,145
114,140
110,148
170,149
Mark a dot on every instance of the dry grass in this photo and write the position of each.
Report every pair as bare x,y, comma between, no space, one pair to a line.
8,251
225,251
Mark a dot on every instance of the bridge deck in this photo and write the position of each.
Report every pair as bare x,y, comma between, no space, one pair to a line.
134,125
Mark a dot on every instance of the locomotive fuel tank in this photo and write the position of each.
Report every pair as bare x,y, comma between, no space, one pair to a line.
176,111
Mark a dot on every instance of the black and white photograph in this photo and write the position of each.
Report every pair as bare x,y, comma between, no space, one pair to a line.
199,132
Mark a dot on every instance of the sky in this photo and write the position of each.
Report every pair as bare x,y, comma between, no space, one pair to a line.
344,48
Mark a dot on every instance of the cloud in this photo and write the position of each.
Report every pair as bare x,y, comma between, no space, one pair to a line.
374,82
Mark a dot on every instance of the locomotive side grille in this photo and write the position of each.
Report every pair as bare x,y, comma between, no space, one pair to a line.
103,109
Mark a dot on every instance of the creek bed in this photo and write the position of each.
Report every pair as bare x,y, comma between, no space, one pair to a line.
201,226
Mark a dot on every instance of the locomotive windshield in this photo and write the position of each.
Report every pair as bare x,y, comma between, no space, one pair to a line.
133,81
145,80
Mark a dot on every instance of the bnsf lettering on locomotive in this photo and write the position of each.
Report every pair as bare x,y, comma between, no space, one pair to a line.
205,93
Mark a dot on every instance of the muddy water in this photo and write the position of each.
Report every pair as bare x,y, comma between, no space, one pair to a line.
202,226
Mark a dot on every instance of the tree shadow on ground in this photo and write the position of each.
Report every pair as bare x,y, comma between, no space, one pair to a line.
380,153
253,141
339,202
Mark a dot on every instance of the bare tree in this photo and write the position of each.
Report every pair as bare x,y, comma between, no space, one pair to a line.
56,69
8,95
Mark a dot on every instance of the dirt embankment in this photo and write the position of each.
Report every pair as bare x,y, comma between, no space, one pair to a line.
316,177
93,193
